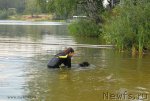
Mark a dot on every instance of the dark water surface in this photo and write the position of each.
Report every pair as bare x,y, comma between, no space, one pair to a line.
24,76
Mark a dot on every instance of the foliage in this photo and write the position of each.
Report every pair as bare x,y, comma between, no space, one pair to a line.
84,28
61,8
32,7
3,14
12,11
17,4
92,8
43,5
129,25
68,8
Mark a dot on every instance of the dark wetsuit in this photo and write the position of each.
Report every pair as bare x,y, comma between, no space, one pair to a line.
59,59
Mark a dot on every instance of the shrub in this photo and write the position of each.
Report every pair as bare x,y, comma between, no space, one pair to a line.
3,14
84,27
12,11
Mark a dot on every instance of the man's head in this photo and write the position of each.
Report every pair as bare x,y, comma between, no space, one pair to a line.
69,51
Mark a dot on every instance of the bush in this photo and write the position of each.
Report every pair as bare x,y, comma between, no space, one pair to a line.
3,14
12,11
84,27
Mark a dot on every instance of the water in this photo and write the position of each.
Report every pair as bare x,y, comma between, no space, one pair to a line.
24,76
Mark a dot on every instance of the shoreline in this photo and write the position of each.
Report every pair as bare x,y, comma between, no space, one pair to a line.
34,18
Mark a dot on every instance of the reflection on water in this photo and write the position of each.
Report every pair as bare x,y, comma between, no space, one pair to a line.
25,51
27,40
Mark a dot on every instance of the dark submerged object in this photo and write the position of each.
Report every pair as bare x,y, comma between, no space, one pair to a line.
84,64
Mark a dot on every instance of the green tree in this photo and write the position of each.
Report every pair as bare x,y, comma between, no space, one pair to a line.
67,8
61,8
32,7
93,9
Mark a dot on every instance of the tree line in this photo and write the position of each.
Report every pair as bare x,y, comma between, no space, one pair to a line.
19,7
125,23
18,4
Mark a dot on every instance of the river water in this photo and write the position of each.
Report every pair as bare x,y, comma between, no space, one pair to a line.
26,47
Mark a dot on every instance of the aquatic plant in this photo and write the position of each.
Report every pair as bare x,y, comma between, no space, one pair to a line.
129,26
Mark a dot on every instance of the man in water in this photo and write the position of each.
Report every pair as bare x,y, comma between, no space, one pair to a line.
62,58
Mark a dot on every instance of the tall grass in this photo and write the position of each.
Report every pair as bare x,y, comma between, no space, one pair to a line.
129,26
